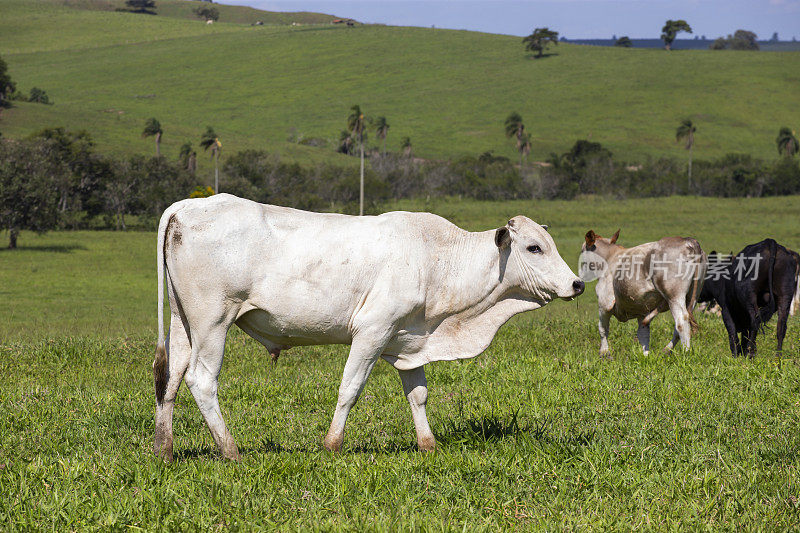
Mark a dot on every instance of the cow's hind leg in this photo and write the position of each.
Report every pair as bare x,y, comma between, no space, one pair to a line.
364,352
207,355
683,327
179,353
784,305
415,387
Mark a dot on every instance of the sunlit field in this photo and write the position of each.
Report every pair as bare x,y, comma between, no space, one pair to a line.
538,432
449,91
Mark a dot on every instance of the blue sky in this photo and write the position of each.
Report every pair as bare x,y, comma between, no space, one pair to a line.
572,18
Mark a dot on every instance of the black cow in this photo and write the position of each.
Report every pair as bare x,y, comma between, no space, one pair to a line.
751,287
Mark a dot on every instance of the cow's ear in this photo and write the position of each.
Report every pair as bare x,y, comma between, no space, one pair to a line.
545,226
591,236
615,237
502,237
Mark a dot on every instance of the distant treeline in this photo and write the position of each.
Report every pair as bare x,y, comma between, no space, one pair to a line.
699,43
55,179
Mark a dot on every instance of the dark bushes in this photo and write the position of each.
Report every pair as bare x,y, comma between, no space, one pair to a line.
88,188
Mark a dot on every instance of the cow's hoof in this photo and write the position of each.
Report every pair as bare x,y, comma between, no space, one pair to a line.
332,444
645,352
426,444
163,450
231,453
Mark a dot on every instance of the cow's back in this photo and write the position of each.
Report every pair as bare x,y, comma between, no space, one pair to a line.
306,271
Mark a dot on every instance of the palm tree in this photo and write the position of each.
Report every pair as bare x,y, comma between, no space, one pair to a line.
685,132
188,157
152,128
381,129
208,140
355,124
515,128
524,147
345,143
405,144
787,143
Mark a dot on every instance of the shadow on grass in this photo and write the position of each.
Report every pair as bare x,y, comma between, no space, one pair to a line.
543,56
475,431
487,428
57,248
494,428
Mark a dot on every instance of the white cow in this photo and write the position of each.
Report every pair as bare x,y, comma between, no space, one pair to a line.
409,287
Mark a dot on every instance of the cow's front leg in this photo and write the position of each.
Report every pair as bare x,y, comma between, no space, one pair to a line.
602,326
643,334
364,352
415,387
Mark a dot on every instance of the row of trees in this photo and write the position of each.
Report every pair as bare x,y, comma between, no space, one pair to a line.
209,140
741,40
54,179
541,38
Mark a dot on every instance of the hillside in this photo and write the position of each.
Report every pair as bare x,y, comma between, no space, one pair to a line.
449,91
184,9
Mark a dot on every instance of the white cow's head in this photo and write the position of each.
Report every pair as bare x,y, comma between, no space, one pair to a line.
532,261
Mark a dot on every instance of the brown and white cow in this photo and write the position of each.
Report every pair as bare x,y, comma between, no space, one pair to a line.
645,280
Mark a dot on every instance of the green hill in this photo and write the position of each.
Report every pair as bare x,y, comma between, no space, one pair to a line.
449,91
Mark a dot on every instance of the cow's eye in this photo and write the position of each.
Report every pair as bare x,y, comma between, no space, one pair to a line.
534,249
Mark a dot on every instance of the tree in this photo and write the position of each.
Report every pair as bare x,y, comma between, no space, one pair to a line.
405,144
75,150
152,128
524,148
539,39
624,42
355,124
515,128
6,85
720,43
741,40
38,96
381,130
210,140
685,132
206,13
141,6
671,30
29,198
345,143
188,157
787,143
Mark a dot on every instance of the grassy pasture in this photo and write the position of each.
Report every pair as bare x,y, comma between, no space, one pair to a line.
449,91
536,433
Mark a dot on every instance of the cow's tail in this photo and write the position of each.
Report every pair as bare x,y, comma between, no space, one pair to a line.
161,363
697,282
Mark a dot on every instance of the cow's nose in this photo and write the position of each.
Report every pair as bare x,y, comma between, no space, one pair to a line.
578,285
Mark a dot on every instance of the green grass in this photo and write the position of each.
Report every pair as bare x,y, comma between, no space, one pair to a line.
536,433
449,91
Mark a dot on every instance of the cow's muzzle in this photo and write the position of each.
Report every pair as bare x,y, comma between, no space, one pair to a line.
578,286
